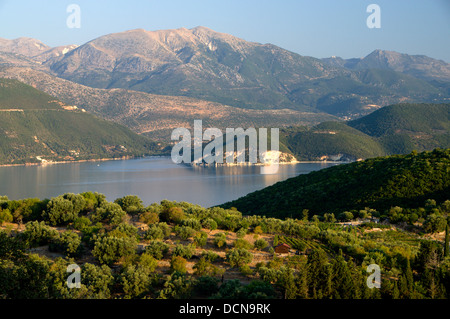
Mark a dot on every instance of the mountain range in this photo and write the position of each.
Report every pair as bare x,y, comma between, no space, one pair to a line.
155,81
218,67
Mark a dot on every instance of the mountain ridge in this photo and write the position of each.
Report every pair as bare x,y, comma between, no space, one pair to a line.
217,67
38,128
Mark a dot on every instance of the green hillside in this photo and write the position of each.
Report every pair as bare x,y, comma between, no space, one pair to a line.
34,124
394,129
376,183
16,95
332,139
404,127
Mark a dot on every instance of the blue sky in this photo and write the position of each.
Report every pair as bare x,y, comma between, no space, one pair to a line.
319,28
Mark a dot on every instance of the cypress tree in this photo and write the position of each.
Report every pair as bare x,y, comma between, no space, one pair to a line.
446,248
409,277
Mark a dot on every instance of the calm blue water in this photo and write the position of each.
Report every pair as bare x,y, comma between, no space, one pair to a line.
152,179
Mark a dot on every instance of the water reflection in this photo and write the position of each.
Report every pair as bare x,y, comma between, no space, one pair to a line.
152,179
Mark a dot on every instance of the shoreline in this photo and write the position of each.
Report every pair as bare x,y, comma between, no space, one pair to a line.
192,164
71,162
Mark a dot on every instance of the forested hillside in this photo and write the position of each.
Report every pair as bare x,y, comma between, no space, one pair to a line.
377,183
35,127
394,129
176,250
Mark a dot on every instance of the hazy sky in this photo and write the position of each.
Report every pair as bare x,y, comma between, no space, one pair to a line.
319,28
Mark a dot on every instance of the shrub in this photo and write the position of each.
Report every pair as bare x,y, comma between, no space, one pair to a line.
110,213
205,268
258,230
38,233
220,239
124,230
346,216
200,239
185,251
209,255
209,223
148,261
435,223
81,222
149,218
60,211
109,249
238,257
193,223
153,233
89,232
246,270
178,264
184,232
329,218
241,233
157,249
98,280
68,243
242,243
135,280
131,204
5,216
260,244
172,214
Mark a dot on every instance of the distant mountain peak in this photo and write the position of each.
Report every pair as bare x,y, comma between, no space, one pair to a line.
420,66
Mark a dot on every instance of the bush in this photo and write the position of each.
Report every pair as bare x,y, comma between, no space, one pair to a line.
200,239
238,257
136,281
149,218
209,223
435,223
5,216
153,233
110,213
68,243
185,251
346,216
98,280
148,261
89,233
209,255
258,230
60,211
329,218
242,243
220,239
193,223
184,232
109,249
124,230
131,204
260,244
26,210
172,214
205,268
246,270
178,264
157,249
81,222
241,233
38,233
